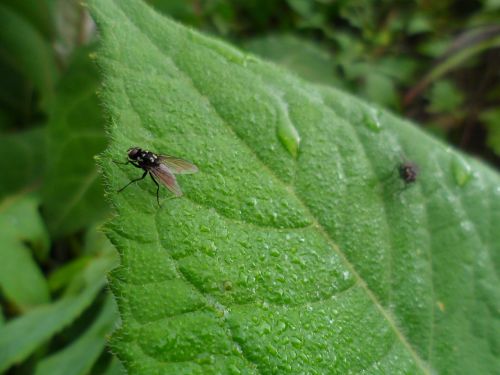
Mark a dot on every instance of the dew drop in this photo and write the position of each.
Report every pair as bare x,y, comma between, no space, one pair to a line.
461,170
289,137
372,119
467,226
272,350
287,133
274,252
228,285
234,370
346,275
206,359
296,342
281,327
264,329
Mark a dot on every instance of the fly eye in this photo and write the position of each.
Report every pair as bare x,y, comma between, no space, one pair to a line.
133,151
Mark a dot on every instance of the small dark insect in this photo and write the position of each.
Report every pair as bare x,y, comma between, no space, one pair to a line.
408,171
163,167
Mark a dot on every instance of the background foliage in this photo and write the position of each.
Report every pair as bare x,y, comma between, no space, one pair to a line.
435,62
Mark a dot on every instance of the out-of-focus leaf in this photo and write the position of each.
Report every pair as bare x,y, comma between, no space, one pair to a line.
37,12
21,336
445,97
16,94
26,50
434,47
359,13
5,121
400,68
304,8
99,256
183,10
302,56
72,193
97,249
492,4
79,357
380,89
103,260
96,243
22,159
419,23
115,368
492,120
467,45
61,277
21,280
275,262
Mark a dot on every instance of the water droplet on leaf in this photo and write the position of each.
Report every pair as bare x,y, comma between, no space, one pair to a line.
289,137
228,285
296,342
461,170
372,119
288,134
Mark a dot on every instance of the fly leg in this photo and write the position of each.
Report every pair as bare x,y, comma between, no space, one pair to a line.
127,162
135,180
157,189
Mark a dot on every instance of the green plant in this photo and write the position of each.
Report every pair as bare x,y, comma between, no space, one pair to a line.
244,274
297,248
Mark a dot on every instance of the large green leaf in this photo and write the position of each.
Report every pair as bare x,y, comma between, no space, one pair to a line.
297,248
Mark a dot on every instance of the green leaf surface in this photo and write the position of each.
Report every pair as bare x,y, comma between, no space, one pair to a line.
80,356
21,224
73,195
321,263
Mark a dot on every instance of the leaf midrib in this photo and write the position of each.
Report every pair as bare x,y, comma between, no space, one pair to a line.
290,189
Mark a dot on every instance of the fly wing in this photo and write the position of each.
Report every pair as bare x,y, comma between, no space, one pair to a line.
177,165
166,177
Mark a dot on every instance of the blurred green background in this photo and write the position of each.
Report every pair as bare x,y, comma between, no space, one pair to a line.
435,62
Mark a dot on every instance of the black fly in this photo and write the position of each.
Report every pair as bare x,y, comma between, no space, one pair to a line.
163,167
408,171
